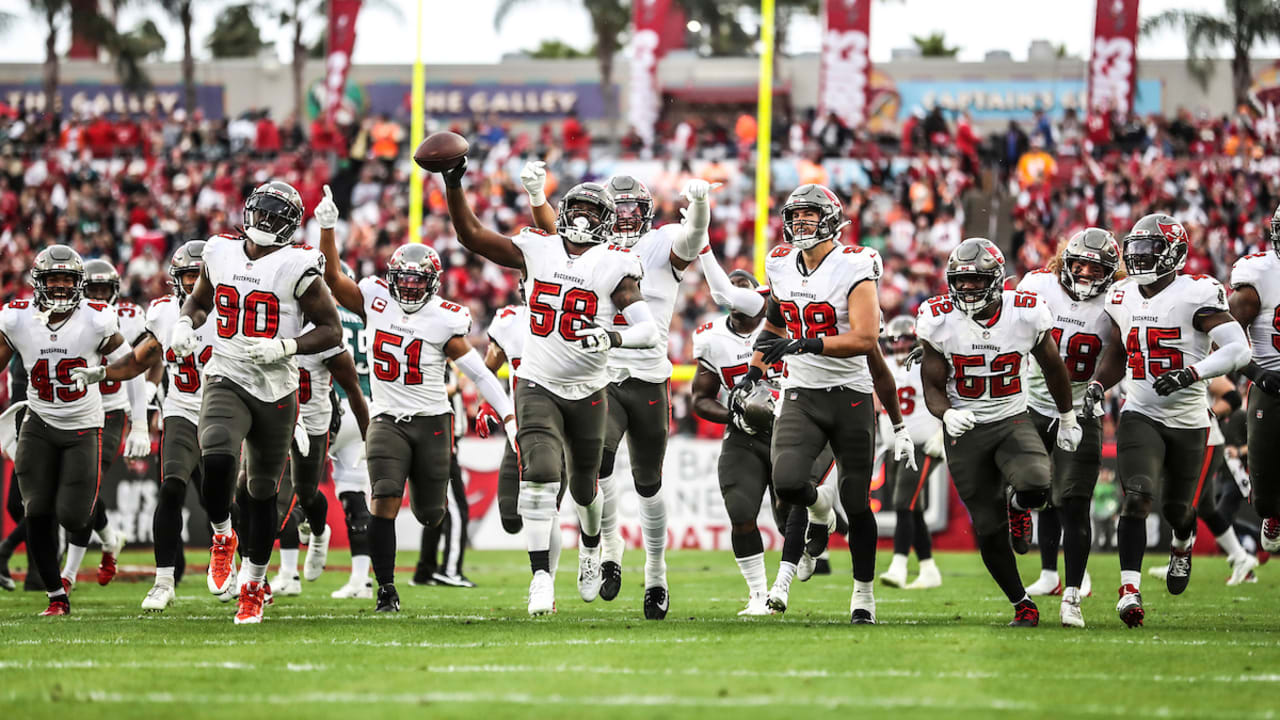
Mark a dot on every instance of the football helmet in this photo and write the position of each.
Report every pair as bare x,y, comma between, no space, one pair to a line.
272,214
58,260
99,272
1093,245
1275,230
413,276
1155,247
899,336
975,259
759,407
186,258
804,234
586,215
632,209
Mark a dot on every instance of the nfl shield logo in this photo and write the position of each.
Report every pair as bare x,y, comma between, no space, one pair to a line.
53,338
1259,416
248,266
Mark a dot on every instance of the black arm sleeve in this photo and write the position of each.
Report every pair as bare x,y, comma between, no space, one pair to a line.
773,312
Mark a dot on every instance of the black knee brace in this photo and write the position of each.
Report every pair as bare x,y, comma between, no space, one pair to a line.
356,512
606,462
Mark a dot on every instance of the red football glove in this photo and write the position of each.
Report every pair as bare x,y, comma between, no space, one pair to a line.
487,420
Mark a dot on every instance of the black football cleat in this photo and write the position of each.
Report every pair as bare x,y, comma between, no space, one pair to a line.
656,603
1019,528
6,580
610,580
1025,614
1179,570
822,566
815,539
862,616
388,599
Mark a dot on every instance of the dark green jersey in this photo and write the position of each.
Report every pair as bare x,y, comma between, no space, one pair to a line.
353,335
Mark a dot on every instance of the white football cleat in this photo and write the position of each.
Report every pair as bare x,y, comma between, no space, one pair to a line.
896,575
286,585
354,589
1241,569
777,600
542,594
1159,572
758,604
1086,586
317,555
862,608
1047,584
806,566
1070,609
589,577
1271,535
159,597
928,578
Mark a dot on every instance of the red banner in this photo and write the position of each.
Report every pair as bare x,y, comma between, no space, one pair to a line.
845,80
658,28
1113,68
342,40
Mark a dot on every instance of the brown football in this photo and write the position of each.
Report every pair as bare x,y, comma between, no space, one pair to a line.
440,151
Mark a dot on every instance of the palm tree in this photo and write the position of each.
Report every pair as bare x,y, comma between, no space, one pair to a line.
180,10
934,45
235,34
55,12
1246,23
610,20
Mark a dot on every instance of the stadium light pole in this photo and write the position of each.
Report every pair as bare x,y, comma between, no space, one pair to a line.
764,121
417,106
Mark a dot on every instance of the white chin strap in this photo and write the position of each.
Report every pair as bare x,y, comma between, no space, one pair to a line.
261,237
806,242
1145,278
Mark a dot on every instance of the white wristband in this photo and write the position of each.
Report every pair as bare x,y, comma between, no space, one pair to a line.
290,346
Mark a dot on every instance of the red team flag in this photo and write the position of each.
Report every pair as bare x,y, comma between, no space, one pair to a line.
845,80
1113,63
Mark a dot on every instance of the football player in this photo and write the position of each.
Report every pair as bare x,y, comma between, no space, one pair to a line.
1163,328
823,317
576,283
910,496
58,457
1256,305
413,332
263,290
640,378
102,284
976,340
1074,288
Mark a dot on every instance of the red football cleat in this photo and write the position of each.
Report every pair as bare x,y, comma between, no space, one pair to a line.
60,605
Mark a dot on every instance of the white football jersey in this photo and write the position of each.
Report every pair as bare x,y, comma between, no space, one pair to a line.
508,329
568,293
186,376
816,304
985,359
921,423
1081,330
726,353
1261,271
661,288
406,351
49,354
314,380
133,324
257,299
1158,337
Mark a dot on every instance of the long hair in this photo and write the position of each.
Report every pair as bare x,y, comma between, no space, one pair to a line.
1055,265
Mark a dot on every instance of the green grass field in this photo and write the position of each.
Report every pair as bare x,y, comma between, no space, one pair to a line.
1212,652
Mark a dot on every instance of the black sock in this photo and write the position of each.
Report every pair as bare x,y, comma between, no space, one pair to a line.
1216,523
1001,563
1050,538
1077,537
357,514
382,549
1131,537
793,537
42,548
289,539
903,532
166,523
316,511
80,537
261,517
590,541
746,543
16,538
862,544
100,516
540,560
922,541
219,485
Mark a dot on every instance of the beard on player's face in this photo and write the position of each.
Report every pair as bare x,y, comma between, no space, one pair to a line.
630,218
411,286
100,292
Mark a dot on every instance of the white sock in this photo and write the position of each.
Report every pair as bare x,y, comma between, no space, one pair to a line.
359,568
1131,577
106,535
611,545
1230,544
75,556
537,533
825,501
255,572
1177,544
653,523
222,528
786,571
289,562
752,568
928,564
899,562
165,576
589,516
864,588
56,593
557,541
1049,576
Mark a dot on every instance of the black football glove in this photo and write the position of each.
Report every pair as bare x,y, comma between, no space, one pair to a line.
1268,381
1175,380
453,176
1092,396
916,355
774,349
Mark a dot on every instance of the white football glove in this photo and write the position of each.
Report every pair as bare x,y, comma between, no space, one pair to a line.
327,212
510,427
903,448
958,422
138,442
698,214
182,340
935,446
83,377
300,438
534,179
1069,431
265,351
596,340
740,422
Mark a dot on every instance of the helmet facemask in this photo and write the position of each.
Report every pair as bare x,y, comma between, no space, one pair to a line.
412,289
270,220
1147,258
58,291
1084,277
972,291
632,220
102,291
807,231
584,221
